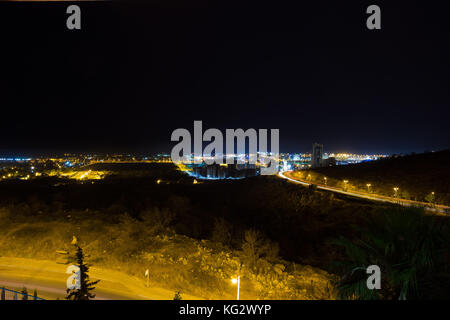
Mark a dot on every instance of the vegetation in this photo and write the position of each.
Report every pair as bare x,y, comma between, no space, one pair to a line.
421,177
412,250
177,296
194,237
86,286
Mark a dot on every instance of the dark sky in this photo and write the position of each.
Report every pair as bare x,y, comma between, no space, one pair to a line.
136,72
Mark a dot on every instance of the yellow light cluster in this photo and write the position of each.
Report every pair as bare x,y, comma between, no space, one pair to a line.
80,175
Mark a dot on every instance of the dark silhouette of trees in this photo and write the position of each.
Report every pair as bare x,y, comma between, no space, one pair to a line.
86,286
255,247
410,248
221,231
177,296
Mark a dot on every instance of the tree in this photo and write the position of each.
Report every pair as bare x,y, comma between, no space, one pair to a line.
430,197
255,247
405,195
158,220
411,250
221,231
86,286
177,296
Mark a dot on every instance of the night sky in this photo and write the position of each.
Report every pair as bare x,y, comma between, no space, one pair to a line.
136,72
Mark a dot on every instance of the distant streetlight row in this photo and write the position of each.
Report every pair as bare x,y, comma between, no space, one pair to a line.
368,185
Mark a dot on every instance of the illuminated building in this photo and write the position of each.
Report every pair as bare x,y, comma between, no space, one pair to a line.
316,156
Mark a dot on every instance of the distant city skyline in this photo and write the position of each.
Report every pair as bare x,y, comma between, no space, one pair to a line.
32,155
135,73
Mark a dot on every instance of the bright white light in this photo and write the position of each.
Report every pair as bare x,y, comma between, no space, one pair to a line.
234,280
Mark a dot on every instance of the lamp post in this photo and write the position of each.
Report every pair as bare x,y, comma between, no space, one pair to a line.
238,282
147,274
368,187
395,190
431,198
345,185
325,178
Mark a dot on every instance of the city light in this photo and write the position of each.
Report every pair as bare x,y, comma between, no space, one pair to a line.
395,190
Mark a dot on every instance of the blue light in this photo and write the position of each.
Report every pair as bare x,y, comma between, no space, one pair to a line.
68,164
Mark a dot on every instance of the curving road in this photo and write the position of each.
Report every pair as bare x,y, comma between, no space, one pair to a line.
409,203
49,279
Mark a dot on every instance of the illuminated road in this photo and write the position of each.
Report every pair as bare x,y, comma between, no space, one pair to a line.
49,279
409,203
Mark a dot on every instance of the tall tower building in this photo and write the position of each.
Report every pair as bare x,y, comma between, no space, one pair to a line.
316,155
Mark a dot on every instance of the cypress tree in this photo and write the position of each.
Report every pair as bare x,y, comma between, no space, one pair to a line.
86,286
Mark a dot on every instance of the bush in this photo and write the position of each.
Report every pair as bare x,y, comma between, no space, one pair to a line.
256,247
410,248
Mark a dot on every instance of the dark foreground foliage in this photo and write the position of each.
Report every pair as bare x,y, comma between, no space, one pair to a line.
412,250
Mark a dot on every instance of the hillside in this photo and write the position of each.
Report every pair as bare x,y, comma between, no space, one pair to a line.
416,176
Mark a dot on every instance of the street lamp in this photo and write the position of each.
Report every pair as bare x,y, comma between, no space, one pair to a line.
147,274
395,189
325,178
345,184
368,187
309,177
431,197
238,282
